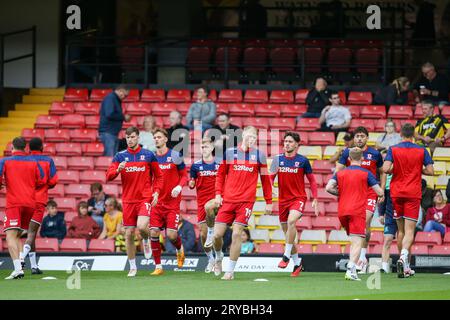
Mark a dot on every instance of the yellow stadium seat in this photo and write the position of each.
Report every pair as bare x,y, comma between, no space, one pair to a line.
441,182
440,168
311,152
313,236
441,154
329,152
431,181
340,139
277,236
338,237
269,222
260,235
373,137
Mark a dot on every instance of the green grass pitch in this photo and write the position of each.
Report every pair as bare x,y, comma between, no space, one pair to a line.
191,286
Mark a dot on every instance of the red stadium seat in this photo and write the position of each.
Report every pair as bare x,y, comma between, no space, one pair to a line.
400,112
91,176
441,250
324,196
49,149
28,134
191,207
373,112
428,238
179,95
322,166
198,59
102,163
61,108
138,108
93,149
101,245
188,194
57,135
2,204
254,58
69,216
47,245
111,189
368,60
268,110
98,95
355,111
259,123
283,60
68,149
153,95
326,223
417,249
60,163
308,124
328,249
230,95
87,108
57,191
300,95
282,124
66,204
256,96
281,96
343,97
183,108
241,109
376,237
447,238
133,96
92,122
47,122
339,59
304,248
233,55
72,121
163,109
293,110
73,245
68,176
83,135
74,94
369,124
321,138
274,248
331,208
80,163
368,43
77,190
360,98
309,210
377,249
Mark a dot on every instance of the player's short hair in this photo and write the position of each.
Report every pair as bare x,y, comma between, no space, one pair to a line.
293,135
428,65
122,87
223,114
250,128
361,130
202,87
113,201
96,186
333,93
349,136
19,143
161,130
356,154
36,144
132,130
407,130
52,203
427,102
206,140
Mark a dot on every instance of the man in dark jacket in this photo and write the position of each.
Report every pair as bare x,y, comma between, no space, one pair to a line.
111,120
224,135
317,99
187,234
178,134
53,225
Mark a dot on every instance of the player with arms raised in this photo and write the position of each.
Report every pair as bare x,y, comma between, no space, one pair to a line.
141,183
405,161
291,169
236,194
372,161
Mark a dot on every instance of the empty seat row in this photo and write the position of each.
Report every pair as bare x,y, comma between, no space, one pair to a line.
74,245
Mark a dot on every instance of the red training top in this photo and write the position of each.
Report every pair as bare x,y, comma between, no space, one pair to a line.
49,168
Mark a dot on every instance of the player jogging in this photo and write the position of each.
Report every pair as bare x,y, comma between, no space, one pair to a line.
372,161
351,185
22,175
49,168
405,161
166,214
236,194
291,169
203,177
141,183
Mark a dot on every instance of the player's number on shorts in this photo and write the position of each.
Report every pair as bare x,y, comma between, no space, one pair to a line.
248,213
371,202
302,204
148,206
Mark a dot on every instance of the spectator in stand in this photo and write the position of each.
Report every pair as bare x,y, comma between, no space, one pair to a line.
427,196
394,94
247,245
389,138
431,131
146,139
438,217
111,120
176,132
53,225
187,234
317,99
348,143
96,203
201,114
83,226
335,117
112,221
224,135
432,86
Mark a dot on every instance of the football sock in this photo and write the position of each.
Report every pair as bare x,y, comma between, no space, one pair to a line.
177,243
219,254
232,265
404,256
288,249
362,256
132,264
385,266
296,259
33,262
351,266
17,265
156,249
210,233
26,250
210,255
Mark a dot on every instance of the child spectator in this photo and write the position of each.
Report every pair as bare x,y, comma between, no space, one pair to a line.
96,204
438,217
112,220
247,243
83,226
53,225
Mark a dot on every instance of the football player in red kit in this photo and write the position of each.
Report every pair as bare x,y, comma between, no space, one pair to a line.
291,169
352,185
141,182
405,161
236,194
166,214
22,175
49,168
372,161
